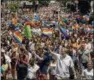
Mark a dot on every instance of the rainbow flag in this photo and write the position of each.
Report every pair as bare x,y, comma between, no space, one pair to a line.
47,32
64,32
18,37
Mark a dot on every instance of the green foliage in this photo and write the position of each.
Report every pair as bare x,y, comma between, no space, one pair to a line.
44,1
13,6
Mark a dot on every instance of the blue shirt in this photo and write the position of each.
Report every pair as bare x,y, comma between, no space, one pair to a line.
45,63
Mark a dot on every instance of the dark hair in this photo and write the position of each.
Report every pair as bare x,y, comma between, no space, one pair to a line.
24,56
31,62
3,61
21,49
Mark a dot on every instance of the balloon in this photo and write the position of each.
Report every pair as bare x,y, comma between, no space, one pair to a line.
27,31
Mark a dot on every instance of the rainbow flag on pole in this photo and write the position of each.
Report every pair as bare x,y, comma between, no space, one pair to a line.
18,37
47,32
64,32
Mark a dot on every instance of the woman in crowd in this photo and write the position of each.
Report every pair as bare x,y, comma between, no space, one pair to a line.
4,66
32,70
22,65
88,72
14,59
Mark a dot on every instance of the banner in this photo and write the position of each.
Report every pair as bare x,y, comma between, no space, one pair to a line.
36,31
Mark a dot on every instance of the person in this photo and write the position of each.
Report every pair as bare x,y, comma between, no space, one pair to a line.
63,63
32,70
88,45
52,69
14,58
44,59
4,66
44,65
8,63
84,56
22,66
88,72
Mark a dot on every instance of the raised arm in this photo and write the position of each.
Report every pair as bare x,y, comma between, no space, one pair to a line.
53,53
37,56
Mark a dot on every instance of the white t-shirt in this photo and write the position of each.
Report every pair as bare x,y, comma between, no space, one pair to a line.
85,56
52,68
32,46
88,47
8,59
88,74
32,71
62,66
30,55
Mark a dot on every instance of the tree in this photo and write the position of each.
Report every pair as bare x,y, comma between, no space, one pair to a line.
13,6
42,2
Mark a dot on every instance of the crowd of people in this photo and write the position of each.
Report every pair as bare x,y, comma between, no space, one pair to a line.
66,54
